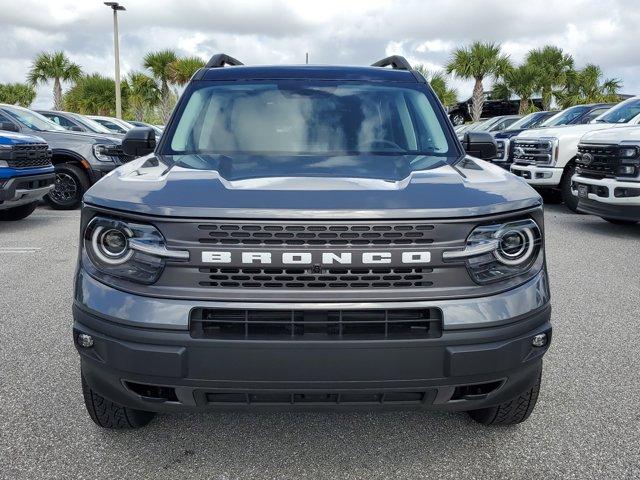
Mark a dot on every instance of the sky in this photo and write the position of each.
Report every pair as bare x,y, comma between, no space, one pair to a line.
332,31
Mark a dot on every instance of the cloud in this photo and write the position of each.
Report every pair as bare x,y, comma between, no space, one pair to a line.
332,31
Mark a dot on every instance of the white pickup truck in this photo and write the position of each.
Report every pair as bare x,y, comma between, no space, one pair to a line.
546,157
607,179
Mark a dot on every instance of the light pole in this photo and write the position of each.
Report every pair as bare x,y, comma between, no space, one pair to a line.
115,6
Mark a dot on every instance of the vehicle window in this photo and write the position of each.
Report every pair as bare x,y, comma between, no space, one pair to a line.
596,112
63,122
32,120
565,116
299,118
111,126
91,125
621,113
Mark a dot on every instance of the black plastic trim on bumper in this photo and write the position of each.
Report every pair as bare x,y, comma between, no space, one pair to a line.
9,187
608,210
196,367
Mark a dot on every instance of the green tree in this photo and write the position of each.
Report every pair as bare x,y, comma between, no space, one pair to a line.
22,94
53,66
519,81
95,94
182,69
439,83
477,62
158,64
144,95
589,86
552,67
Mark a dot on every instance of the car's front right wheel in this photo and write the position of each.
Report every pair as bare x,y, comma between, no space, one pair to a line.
569,199
18,213
107,414
513,411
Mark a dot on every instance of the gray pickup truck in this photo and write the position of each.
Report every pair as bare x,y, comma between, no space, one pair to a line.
310,237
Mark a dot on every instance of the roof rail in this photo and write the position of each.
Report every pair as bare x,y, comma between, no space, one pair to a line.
396,62
222,59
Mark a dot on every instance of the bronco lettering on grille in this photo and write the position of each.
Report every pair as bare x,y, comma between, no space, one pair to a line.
313,258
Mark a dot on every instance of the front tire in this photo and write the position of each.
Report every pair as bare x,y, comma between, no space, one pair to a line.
514,411
107,414
18,213
615,221
569,199
457,118
70,185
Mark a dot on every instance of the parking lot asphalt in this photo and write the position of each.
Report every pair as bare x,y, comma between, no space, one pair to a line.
586,425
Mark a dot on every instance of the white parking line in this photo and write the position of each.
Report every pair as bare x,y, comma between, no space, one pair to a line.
19,249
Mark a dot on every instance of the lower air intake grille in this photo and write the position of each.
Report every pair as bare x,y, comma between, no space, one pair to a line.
308,278
316,398
243,324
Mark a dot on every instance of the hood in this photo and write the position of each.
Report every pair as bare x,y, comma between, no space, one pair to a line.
361,186
563,130
614,135
10,138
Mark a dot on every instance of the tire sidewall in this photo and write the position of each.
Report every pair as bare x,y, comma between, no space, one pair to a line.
569,199
81,183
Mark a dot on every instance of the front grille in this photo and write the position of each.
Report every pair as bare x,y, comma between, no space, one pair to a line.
116,152
316,234
316,278
317,398
29,155
538,152
249,324
602,160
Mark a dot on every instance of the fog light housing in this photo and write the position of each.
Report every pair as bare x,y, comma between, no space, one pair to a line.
84,340
539,340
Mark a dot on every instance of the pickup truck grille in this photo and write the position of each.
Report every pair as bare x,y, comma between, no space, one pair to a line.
537,152
598,160
29,155
316,234
308,278
237,324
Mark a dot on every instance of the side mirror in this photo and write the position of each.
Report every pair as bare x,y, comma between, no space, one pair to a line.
9,127
139,141
75,128
480,145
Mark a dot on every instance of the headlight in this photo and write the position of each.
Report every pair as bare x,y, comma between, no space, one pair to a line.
628,152
101,152
500,251
131,251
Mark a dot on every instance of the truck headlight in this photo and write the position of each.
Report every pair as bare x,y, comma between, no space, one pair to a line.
101,152
628,152
500,251
132,251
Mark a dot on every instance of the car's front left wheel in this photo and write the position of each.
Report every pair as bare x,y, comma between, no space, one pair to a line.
18,213
69,187
107,414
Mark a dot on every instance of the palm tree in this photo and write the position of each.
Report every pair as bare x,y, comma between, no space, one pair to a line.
144,94
552,67
521,82
182,69
158,63
477,62
22,94
95,95
438,81
588,86
53,66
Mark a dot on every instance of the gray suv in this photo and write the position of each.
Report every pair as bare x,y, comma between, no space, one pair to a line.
308,237
76,122
80,158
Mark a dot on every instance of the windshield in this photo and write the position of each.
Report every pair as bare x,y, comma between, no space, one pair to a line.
529,121
33,120
621,113
566,116
92,125
303,118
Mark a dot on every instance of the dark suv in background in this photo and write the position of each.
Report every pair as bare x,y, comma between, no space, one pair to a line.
310,236
461,113
80,158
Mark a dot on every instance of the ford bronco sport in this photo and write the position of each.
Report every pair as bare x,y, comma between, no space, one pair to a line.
310,236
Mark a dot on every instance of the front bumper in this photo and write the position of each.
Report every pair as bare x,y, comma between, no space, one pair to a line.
25,189
537,175
601,200
469,366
